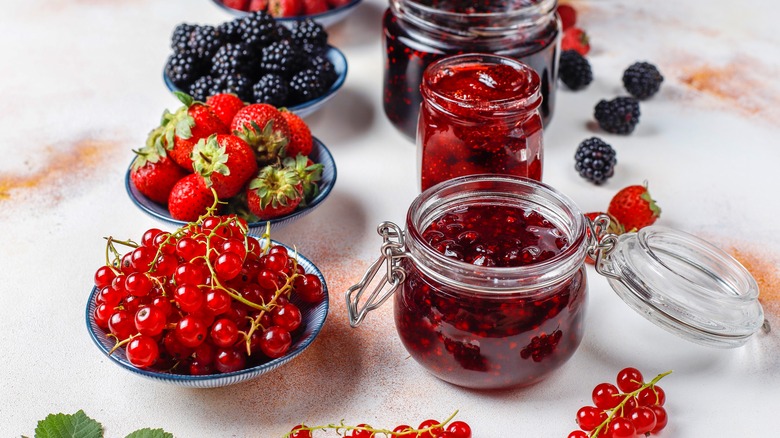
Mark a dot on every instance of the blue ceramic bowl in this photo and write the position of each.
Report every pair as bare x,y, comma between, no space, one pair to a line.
334,55
319,154
313,318
325,19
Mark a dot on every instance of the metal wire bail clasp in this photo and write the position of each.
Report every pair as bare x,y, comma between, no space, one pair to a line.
393,249
600,244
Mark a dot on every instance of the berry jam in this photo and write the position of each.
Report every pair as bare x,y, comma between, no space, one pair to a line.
479,115
417,33
477,337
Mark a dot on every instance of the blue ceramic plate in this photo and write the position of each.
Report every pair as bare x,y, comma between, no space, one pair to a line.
313,318
325,19
334,55
319,154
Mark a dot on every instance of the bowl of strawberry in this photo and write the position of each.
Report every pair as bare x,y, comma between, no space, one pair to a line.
325,12
261,163
259,59
206,305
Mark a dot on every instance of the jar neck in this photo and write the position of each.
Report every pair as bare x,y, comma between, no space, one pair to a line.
529,279
480,86
459,21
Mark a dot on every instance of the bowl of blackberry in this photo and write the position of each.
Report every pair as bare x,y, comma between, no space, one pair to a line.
325,12
258,59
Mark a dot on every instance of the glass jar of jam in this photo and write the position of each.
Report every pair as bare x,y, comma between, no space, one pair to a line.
479,114
418,32
490,285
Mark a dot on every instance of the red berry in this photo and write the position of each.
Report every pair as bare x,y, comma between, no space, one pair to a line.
643,419
189,298
287,316
309,288
652,395
589,417
224,333
568,16
577,434
121,324
660,418
228,266
576,39
191,331
605,396
633,208
138,284
103,276
142,351
296,432
621,428
629,379
150,321
275,342
230,360
459,429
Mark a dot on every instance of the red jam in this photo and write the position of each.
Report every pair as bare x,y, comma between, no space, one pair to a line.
411,46
483,339
479,115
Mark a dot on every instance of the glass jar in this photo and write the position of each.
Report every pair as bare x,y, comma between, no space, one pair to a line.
473,315
479,114
418,32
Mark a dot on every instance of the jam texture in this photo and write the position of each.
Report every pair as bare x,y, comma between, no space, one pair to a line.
484,339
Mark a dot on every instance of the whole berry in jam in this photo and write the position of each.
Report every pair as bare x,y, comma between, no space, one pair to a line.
642,80
575,70
617,116
595,160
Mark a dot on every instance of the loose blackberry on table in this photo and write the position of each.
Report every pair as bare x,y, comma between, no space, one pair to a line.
617,116
642,80
575,70
595,160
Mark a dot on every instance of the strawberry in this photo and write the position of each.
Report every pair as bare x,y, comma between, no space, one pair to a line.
263,127
241,5
225,106
258,5
309,172
634,208
300,141
568,16
153,173
190,198
575,38
274,192
311,7
338,3
182,129
284,8
225,162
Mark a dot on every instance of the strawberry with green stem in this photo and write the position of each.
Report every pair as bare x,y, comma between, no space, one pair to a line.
274,192
309,172
153,173
633,208
262,126
300,140
225,162
190,198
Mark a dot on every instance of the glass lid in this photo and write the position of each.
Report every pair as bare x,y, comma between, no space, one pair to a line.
685,285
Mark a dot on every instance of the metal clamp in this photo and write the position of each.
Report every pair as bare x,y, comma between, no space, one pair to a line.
393,250
600,244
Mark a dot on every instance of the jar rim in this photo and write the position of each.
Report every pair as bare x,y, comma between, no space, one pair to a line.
535,277
526,102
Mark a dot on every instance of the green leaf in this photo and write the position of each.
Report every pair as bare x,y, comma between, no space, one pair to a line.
184,98
77,425
150,433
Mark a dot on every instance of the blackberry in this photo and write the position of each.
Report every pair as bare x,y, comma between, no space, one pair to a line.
324,68
642,80
257,29
307,85
204,42
618,116
234,58
202,88
271,89
235,83
574,70
230,31
595,160
181,37
310,36
281,58
182,69
282,33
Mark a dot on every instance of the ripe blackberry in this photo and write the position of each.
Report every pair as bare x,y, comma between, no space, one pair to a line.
204,42
324,68
307,85
310,36
574,70
182,69
202,88
642,80
618,116
595,160
257,29
230,31
181,37
234,58
271,89
237,84
281,58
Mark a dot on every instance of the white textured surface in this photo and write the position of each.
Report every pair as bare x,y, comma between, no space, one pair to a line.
81,85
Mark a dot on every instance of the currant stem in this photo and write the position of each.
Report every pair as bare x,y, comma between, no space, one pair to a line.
341,427
626,397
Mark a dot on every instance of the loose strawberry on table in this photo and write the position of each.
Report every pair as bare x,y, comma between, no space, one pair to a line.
633,208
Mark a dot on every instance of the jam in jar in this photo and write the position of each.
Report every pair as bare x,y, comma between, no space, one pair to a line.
419,32
479,115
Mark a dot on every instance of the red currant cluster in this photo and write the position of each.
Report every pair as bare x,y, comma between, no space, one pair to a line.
426,429
630,409
203,299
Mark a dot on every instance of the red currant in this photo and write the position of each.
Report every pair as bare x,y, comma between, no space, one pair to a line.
287,317
268,280
589,417
228,266
163,304
362,433
299,432
102,314
149,236
143,257
174,347
253,245
430,423
275,342
459,429
189,298
110,296
142,351
660,418
224,333
643,419
121,324
204,353
276,261
190,273
309,288
578,434
652,395
149,321
164,243
198,368
189,248
235,246
217,301
606,396
138,284
229,360
165,266
403,428
191,331
629,379
621,427
126,265
103,276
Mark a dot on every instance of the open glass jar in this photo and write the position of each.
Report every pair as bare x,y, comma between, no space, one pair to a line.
490,287
418,32
480,114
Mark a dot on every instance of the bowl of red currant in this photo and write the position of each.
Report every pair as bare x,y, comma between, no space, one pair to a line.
258,59
325,12
206,305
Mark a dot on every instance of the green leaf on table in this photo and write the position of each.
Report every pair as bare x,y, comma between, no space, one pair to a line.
77,425
150,433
